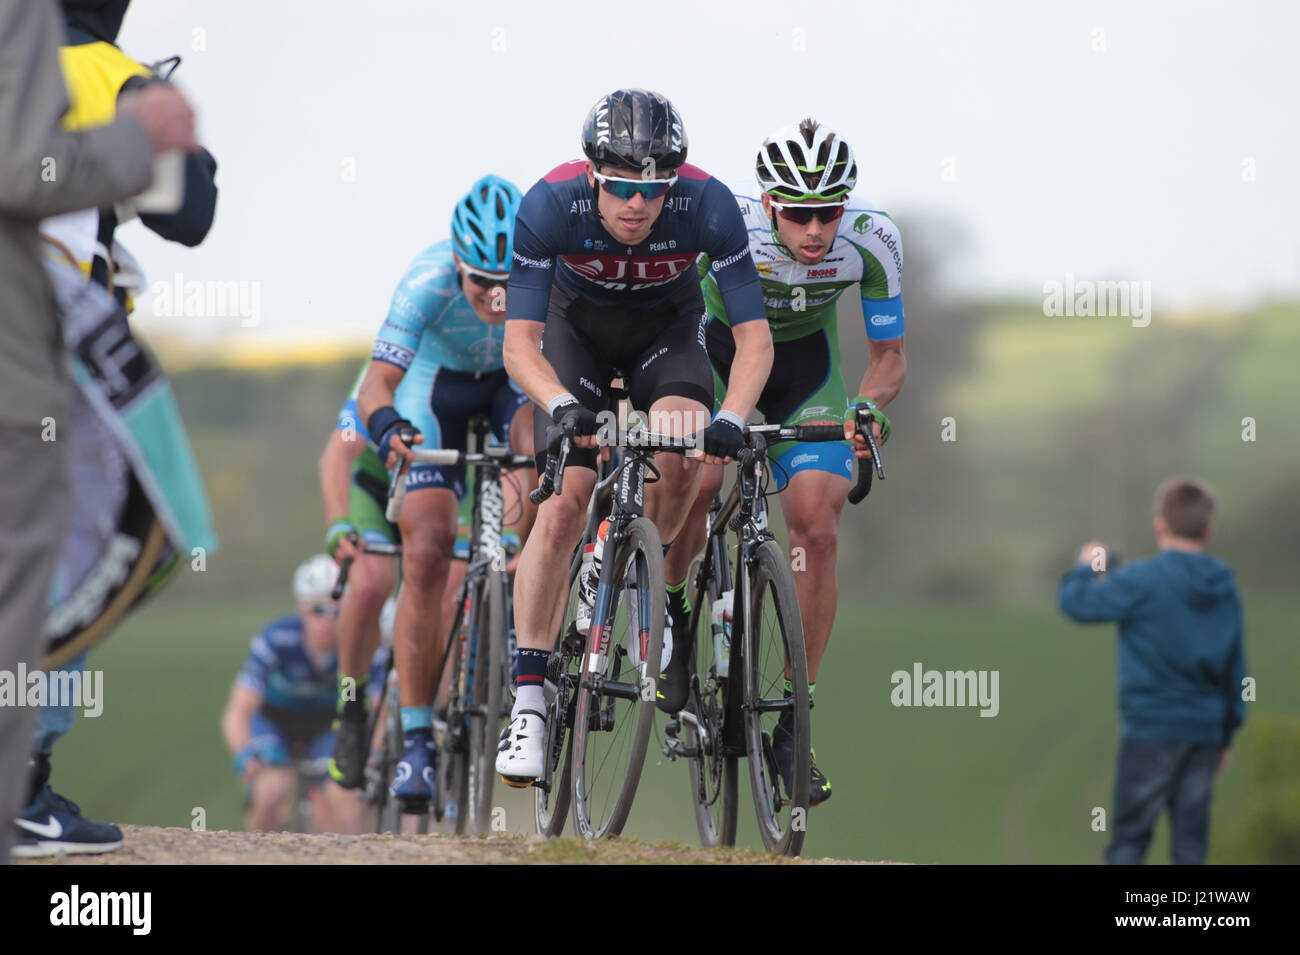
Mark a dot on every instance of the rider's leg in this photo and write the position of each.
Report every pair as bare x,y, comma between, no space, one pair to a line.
428,525
517,484
669,499
542,578
812,502
690,539
335,809
370,581
273,787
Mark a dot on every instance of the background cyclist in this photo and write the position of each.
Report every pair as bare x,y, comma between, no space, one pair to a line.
443,336
810,242
281,706
603,279
354,485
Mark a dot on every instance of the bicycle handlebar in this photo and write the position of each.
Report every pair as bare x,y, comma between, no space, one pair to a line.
874,466
501,457
560,443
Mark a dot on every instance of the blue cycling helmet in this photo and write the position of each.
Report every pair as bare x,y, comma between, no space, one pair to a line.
483,225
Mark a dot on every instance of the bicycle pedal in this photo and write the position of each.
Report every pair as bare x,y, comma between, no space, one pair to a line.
518,782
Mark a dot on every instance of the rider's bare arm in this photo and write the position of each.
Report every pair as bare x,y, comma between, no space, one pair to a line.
750,368
237,719
882,381
884,378
525,363
378,388
335,469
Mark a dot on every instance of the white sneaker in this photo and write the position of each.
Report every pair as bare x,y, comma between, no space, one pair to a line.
521,752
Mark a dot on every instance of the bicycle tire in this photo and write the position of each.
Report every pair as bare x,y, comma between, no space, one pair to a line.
767,650
714,776
599,711
485,718
389,817
551,800
452,772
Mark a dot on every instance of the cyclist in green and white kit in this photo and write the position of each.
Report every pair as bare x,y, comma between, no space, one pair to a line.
810,241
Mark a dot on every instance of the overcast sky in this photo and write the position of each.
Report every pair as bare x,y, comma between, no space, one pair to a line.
1153,142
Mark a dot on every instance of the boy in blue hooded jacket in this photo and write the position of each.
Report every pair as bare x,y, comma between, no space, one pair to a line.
1181,669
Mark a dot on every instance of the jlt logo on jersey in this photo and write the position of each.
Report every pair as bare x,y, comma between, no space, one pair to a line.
605,269
579,206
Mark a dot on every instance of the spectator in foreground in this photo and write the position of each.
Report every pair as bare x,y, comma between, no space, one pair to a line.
1181,668
45,171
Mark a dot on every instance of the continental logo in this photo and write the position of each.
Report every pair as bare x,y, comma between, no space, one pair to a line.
720,264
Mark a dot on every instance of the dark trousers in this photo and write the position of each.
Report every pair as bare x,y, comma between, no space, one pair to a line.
1149,776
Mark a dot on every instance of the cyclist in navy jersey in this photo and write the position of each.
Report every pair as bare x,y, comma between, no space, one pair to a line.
602,280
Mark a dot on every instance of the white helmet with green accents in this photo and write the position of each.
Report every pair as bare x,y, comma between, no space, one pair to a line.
806,161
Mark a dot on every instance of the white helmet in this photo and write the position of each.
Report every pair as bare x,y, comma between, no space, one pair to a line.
386,618
314,579
806,161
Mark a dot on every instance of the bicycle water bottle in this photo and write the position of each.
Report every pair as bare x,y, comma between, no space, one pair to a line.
721,628
589,578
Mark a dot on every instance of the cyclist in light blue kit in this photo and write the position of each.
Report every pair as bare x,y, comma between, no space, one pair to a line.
442,343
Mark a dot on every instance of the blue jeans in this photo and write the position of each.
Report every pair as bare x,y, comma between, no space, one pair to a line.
53,722
1150,775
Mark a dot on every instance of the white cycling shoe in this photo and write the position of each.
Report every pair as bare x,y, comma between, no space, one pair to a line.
521,753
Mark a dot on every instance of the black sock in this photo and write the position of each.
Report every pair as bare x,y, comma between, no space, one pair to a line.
679,605
40,769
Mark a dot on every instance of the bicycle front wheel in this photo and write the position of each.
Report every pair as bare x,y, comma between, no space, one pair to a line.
452,721
713,775
773,652
563,671
485,718
619,680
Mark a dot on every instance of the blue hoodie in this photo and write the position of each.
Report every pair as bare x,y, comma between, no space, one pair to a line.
1181,660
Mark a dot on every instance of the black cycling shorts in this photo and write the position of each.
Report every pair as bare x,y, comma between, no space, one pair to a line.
660,351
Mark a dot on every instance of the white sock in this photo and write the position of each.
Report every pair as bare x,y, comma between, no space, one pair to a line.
531,697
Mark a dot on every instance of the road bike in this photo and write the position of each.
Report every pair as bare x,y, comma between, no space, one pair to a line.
601,686
738,688
467,718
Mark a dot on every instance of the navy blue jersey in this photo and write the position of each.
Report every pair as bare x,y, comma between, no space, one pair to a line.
559,237
287,676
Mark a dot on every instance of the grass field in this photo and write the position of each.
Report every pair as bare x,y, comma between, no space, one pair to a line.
1064,429
911,784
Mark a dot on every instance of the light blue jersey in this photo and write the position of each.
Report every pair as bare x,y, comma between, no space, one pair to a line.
431,324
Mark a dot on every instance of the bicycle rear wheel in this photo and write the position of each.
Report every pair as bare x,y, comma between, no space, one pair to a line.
616,696
773,649
551,795
485,717
713,775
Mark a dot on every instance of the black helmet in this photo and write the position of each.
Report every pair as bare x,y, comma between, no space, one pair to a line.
627,127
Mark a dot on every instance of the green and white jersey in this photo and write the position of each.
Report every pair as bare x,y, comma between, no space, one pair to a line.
800,299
